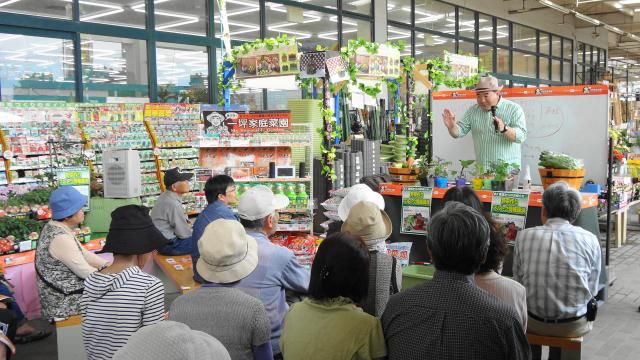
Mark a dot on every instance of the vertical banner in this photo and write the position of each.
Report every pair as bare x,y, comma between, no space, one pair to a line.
416,209
509,210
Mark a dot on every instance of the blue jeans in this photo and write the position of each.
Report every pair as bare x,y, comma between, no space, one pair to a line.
13,306
176,247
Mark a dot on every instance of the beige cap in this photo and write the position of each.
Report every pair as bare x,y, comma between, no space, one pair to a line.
487,83
368,221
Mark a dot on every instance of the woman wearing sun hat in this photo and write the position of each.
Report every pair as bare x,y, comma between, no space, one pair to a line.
227,255
366,220
61,263
122,298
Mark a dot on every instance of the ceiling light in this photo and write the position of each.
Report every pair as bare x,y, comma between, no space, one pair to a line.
8,2
614,29
554,6
360,2
102,14
628,2
636,10
587,19
617,5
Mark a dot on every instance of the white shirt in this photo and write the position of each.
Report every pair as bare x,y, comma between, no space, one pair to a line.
507,290
559,265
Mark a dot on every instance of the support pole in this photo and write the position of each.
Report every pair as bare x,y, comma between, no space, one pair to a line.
609,188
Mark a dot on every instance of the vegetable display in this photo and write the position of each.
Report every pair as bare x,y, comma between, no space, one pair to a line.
553,160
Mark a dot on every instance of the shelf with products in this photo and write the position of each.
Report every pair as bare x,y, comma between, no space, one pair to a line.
29,130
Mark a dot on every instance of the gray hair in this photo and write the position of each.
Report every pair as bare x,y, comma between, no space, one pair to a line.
253,224
458,238
561,201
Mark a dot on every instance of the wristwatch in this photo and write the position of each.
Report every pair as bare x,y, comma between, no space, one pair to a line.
504,130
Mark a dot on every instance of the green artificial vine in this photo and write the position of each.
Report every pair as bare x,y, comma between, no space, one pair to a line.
328,155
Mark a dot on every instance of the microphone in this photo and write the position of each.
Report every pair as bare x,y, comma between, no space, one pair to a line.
493,116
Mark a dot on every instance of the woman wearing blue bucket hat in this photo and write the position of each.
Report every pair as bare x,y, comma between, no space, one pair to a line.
61,262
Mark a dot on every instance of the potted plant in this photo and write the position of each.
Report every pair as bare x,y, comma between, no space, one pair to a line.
424,169
440,172
462,179
412,146
560,167
502,170
478,174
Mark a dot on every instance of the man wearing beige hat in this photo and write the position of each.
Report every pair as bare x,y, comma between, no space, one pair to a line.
497,125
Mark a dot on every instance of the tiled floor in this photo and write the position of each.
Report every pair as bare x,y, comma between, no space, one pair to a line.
615,336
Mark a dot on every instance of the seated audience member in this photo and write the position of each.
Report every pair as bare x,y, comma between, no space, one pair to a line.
218,308
373,225
278,269
328,325
357,193
168,214
8,326
24,331
488,276
449,317
61,263
220,191
121,298
170,340
559,265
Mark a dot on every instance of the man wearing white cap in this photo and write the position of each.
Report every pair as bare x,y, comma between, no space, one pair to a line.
278,269
497,125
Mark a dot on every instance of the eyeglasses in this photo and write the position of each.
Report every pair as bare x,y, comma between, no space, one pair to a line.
231,189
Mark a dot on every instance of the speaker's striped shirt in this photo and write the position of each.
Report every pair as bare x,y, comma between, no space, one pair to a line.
114,306
490,145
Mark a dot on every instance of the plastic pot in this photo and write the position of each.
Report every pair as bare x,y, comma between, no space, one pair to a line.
498,185
477,183
441,182
486,184
461,182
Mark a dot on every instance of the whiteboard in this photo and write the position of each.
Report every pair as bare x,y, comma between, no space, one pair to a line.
567,119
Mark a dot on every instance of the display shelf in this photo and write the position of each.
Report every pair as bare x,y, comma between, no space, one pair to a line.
282,180
293,227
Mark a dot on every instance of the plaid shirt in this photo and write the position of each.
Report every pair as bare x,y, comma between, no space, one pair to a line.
451,318
559,265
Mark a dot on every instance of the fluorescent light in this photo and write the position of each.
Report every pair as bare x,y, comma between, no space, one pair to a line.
636,10
360,2
8,2
614,29
629,2
588,19
103,14
554,6
617,5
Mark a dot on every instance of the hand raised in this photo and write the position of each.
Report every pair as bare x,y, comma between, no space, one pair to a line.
449,118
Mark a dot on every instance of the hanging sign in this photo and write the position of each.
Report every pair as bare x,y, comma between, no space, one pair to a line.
416,209
283,60
383,64
78,177
217,123
509,210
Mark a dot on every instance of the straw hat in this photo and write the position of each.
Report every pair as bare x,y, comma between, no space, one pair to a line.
368,221
227,253
357,193
487,83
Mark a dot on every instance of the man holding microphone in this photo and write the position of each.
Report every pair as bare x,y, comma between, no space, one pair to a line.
497,125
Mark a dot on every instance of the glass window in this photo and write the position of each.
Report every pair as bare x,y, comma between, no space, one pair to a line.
580,53
114,12
244,20
524,65
396,34
249,97
183,73
353,29
36,68
544,43
310,28
503,57
358,6
113,67
486,57
567,49
602,57
466,48
544,68
399,10
555,70
485,28
467,23
590,56
566,72
431,46
556,46
524,37
50,8
436,16
504,83
579,74
278,99
502,32
185,17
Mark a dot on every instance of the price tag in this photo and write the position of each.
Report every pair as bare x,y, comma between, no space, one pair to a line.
8,154
156,151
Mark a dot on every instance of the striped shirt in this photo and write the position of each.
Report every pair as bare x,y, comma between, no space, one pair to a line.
489,145
559,265
114,306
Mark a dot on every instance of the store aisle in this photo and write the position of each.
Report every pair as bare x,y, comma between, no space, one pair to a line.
616,334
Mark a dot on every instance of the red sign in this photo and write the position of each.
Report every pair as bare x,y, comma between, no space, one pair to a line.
224,122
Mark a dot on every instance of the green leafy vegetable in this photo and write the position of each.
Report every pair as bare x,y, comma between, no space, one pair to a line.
553,160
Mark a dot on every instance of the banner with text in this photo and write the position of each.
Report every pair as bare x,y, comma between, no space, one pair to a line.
416,209
218,123
78,177
509,210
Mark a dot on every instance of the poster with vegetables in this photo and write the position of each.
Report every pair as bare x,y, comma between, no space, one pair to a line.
283,60
416,209
509,210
